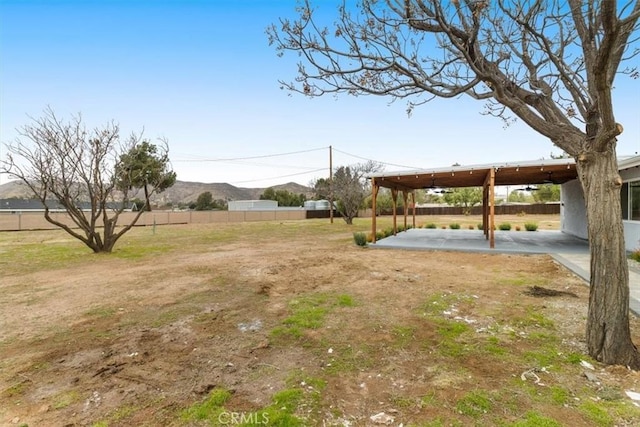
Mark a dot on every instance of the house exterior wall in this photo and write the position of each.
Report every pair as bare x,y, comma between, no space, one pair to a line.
632,235
573,215
631,228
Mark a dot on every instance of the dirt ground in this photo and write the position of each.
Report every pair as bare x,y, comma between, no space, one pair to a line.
114,340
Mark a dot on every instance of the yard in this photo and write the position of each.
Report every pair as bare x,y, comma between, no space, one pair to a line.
285,324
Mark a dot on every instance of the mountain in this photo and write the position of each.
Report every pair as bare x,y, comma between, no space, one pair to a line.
182,192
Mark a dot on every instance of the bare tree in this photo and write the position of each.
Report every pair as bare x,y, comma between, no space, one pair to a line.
551,64
351,187
63,163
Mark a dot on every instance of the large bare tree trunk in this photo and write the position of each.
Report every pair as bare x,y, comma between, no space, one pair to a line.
608,334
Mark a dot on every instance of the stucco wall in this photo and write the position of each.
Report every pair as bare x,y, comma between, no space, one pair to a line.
632,235
631,228
573,215
36,221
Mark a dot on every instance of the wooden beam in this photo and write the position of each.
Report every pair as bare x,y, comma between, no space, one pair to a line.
405,196
374,197
413,203
489,181
394,197
485,210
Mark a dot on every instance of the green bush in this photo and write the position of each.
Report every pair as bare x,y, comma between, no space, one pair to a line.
430,225
470,227
635,255
530,226
505,226
360,239
380,235
479,226
400,228
388,232
454,226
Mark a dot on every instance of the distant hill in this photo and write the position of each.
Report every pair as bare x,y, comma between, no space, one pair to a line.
182,192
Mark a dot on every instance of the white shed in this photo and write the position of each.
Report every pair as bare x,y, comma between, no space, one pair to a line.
252,205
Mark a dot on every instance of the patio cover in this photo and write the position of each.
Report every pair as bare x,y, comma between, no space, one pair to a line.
487,176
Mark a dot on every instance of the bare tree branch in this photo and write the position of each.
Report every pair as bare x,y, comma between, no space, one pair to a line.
551,64
64,163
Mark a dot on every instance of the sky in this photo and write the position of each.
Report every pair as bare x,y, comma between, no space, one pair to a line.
202,75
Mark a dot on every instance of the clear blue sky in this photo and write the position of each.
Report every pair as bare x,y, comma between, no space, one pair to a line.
201,74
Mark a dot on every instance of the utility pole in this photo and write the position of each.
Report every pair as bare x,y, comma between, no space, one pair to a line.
331,184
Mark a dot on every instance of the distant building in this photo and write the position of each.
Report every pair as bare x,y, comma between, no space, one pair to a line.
252,205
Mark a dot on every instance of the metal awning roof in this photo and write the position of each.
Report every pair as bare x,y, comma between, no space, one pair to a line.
551,171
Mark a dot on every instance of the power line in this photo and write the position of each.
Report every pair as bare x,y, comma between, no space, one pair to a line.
278,177
243,160
376,161
271,165
253,157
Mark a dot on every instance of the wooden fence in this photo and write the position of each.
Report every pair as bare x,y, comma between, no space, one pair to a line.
35,220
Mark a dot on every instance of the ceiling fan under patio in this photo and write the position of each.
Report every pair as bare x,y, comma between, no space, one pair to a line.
527,188
435,189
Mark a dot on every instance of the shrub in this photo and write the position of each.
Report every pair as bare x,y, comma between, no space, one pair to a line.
380,235
530,226
400,228
479,226
444,227
388,232
635,255
454,226
360,239
518,228
505,226
470,227
521,213
430,225
369,238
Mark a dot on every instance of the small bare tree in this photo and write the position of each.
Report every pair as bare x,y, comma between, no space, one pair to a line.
351,187
63,163
551,64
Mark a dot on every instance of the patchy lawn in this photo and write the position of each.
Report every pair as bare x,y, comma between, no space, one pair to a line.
290,324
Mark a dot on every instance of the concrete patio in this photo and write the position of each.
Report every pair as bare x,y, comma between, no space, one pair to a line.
568,250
